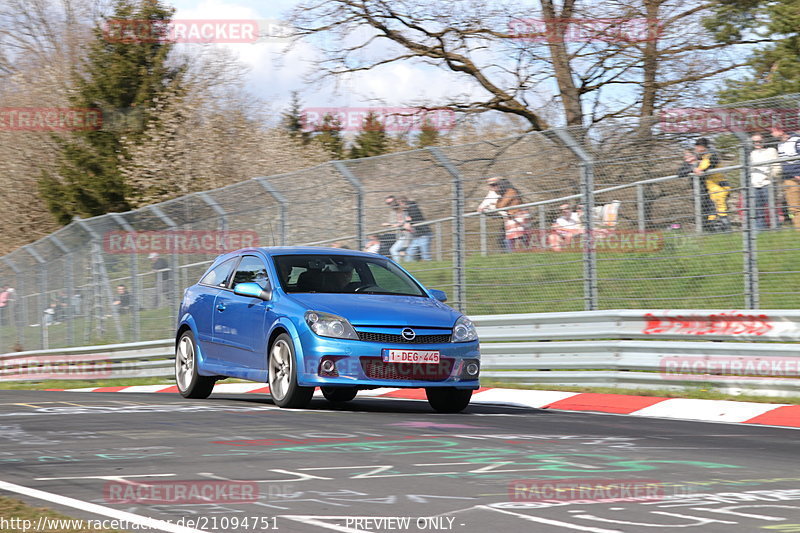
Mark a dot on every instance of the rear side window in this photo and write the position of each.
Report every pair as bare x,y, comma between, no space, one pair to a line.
217,276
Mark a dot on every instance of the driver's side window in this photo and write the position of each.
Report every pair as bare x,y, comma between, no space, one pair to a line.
251,270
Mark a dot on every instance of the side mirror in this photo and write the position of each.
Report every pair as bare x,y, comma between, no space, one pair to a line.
439,295
253,290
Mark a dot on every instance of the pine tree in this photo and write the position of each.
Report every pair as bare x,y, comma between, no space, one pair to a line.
329,136
294,122
775,68
428,135
371,140
122,75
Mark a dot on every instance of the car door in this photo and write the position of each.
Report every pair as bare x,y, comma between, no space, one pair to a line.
240,322
201,304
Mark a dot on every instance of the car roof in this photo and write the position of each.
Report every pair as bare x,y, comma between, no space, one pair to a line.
297,250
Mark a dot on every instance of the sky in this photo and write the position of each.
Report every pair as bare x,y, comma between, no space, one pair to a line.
274,72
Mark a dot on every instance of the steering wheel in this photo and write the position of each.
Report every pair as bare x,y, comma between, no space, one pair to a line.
362,288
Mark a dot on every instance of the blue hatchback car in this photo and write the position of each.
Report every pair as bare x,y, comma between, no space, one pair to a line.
305,317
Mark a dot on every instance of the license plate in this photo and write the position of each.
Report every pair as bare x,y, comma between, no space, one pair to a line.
410,356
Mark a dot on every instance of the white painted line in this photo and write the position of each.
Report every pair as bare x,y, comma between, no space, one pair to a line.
549,522
528,398
93,508
88,389
706,410
376,392
145,388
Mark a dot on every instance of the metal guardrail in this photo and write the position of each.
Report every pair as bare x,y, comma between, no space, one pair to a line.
678,349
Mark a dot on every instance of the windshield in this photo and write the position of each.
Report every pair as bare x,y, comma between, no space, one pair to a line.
343,274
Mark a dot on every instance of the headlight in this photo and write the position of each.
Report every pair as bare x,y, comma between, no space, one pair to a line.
464,330
328,325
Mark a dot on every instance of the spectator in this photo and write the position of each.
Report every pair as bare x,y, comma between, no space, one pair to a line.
373,244
761,178
5,304
397,220
789,145
688,165
564,228
716,184
516,221
489,203
123,302
420,232
161,270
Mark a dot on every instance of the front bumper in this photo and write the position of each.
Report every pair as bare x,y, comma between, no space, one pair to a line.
359,364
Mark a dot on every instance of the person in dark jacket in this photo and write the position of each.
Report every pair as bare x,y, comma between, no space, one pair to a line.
420,232
717,185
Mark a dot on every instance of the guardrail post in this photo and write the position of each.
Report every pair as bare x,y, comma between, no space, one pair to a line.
69,275
750,232
282,203
459,234
698,203
136,288
43,305
342,169
587,193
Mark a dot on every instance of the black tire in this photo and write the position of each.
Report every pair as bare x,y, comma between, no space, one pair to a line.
448,400
190,383
339,394
282,376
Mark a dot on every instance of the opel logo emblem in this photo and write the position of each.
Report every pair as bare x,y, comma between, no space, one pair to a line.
408,334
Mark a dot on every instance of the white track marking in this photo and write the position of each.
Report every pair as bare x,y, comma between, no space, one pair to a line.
549,522
93,508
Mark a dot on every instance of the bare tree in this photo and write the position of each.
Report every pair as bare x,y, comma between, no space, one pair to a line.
628,58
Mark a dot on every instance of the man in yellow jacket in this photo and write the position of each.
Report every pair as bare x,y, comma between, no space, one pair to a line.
716,184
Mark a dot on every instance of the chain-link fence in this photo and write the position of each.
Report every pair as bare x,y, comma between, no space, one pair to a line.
610,218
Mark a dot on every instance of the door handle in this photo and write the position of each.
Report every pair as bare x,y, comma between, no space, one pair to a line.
220,307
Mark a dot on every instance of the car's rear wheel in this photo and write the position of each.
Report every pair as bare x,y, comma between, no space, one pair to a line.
448,400
339,394
190,383
283,385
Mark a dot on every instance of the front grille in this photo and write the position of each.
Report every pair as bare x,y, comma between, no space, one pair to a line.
398,339
376,368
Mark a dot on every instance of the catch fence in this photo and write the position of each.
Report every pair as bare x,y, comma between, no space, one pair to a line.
652,245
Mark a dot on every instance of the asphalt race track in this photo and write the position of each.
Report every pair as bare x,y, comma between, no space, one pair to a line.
391,465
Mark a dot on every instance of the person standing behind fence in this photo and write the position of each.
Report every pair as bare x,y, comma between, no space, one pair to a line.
489,203
397,219
516,221
420,233
789,146
761,178
716,184
5,305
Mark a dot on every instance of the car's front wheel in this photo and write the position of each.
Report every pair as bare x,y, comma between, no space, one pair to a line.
283,385
339,394
190,383
448,400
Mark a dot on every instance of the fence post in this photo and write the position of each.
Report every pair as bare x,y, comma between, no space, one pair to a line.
772,204
750,232
136,300
173,281
42,293
17,303
698,203
542,227
459,235
282,203
214,205
587,194
438,237
342,169
69,274
640,208
484,246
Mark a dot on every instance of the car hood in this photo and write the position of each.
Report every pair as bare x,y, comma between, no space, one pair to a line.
380,309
